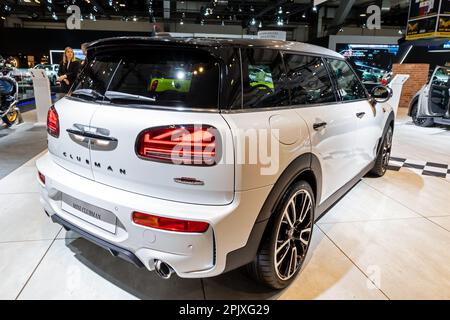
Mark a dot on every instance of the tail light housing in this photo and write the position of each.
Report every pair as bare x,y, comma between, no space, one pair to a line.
53,122
169,224
196,145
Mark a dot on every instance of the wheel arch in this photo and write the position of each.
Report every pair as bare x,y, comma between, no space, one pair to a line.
305,167
390,122
414,100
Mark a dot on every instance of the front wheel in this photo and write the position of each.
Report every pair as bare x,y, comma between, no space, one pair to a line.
382,161
286,242
419,121
10,118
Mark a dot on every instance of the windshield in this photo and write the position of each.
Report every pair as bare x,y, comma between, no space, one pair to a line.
178,77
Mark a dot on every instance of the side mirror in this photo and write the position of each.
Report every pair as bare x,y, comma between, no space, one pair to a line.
381,94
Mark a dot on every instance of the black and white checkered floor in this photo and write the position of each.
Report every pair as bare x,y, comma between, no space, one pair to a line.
440,170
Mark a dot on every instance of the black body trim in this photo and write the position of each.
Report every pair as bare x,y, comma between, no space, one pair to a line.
414,100
322,209
115,250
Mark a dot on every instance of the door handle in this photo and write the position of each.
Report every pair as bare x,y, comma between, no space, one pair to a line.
319,125
360,114
91,135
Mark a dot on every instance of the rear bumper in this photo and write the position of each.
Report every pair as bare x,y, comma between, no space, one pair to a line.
191,255
115,250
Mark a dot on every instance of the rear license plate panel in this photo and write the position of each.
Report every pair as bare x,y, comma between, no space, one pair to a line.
97,216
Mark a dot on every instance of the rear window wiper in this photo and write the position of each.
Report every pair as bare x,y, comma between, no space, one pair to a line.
122,96
90,93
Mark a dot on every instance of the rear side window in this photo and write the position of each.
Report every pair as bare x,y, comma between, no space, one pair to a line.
97,74
263,79
180,77
349,86
308,80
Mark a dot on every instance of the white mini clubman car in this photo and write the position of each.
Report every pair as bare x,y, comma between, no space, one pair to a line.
199,156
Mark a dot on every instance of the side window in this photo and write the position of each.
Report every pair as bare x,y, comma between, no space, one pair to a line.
349,86
308,80
441,78
263,79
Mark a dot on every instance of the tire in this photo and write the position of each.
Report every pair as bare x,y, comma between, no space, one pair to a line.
284,234
419,121
11,118
382,161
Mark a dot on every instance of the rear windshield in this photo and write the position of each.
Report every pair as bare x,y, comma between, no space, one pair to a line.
178,77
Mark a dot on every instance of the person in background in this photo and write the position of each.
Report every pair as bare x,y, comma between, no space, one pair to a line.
84,50
68,70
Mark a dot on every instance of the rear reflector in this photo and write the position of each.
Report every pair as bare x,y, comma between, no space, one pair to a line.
181,144
41,177
169,224
53,122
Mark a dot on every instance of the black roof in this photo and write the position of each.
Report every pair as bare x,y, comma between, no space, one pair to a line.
215,42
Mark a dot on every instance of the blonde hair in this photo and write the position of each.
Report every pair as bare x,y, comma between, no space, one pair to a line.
65,55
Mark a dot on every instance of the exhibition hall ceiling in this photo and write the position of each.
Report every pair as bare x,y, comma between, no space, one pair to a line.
257,13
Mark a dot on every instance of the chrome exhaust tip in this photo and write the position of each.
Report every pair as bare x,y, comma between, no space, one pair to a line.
163,269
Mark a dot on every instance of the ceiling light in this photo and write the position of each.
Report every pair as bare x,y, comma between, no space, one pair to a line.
315,9
280,21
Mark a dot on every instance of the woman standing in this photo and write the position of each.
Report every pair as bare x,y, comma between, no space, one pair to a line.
68,70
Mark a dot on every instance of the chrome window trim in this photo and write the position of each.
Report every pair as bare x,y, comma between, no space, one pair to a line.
299,106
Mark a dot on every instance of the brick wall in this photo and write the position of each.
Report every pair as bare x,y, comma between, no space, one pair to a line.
418,76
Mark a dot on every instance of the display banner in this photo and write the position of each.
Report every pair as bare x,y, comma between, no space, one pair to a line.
445,7
444,25
272,35
423,8
428,18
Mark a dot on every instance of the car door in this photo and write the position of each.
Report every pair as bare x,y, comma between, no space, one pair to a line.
331,124
368,117
438,93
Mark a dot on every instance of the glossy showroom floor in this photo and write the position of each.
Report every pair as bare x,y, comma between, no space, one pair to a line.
388,238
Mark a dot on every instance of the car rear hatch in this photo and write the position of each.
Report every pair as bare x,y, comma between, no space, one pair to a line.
154,126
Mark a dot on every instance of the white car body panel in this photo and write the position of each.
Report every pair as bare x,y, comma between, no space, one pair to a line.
156,179
245,124
333,144
235,219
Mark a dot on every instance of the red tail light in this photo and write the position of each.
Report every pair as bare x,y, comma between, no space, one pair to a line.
53,122
41,177
169,224
154,85
187,145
